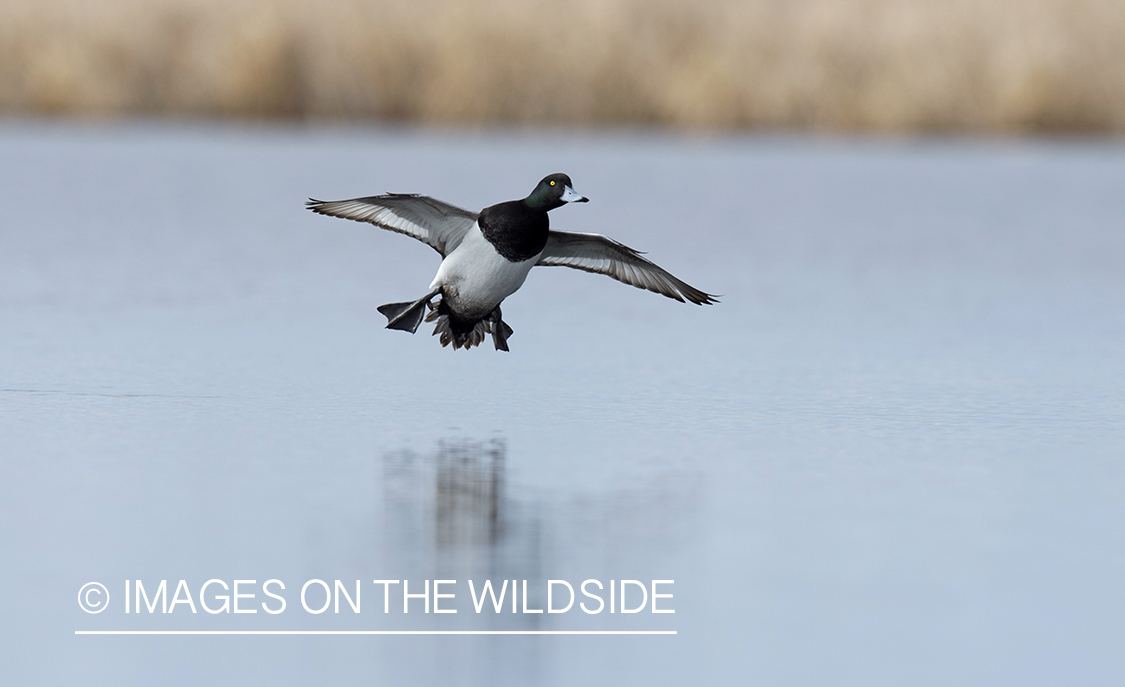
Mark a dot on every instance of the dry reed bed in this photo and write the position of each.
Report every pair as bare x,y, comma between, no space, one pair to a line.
905,65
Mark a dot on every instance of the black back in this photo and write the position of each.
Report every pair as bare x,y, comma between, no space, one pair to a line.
516,231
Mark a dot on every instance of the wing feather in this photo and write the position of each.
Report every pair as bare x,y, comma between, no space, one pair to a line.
602,255
431,221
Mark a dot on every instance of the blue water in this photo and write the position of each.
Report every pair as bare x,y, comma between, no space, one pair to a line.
892,454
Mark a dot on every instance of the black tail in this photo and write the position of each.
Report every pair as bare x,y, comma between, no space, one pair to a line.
407,316
463,333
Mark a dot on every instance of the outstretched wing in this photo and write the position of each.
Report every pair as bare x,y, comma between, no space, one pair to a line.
438,224
602,255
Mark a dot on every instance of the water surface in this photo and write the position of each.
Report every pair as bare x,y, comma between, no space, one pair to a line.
891,455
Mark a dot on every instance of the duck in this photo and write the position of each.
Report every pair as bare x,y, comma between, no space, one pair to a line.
487,256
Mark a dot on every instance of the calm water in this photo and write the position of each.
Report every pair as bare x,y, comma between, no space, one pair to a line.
892,454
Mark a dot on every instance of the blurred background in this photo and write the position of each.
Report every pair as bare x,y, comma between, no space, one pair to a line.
836,65
890,456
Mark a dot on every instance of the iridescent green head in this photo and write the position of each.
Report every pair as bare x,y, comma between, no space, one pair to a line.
554,191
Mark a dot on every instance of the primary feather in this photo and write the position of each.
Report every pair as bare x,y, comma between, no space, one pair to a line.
602,255
433,222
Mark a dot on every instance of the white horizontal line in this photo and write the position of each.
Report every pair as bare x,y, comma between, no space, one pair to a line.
374,632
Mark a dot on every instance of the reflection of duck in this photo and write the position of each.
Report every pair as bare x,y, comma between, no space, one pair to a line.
458,498
469,492
461,489
487,255
462,512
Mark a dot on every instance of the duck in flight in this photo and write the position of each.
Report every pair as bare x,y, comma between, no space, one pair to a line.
486,257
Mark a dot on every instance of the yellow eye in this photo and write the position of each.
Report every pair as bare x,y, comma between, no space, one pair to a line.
552,183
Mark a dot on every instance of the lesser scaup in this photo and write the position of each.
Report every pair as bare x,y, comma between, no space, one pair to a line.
486,257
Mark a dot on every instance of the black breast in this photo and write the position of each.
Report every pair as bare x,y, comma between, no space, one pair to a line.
515,230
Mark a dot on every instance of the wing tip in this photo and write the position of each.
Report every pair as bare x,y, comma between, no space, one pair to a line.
696,297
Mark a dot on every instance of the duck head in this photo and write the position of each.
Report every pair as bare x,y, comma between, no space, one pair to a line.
554,191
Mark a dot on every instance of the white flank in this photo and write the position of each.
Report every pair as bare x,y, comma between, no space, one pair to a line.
476,278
